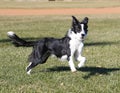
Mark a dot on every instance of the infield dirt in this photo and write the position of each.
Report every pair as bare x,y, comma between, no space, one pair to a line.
60,11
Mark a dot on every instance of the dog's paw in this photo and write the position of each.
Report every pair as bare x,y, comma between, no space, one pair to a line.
74,71
28,72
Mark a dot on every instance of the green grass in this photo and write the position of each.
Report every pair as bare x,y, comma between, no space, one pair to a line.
81,4
101,73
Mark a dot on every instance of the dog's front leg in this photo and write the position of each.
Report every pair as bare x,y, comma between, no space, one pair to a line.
82,61
71,64
79,56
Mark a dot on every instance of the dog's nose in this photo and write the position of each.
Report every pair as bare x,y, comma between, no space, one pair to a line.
83,35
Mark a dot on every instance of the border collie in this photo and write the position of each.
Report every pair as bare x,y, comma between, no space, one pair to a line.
65,48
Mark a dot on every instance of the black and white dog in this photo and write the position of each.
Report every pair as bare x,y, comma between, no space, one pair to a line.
65,48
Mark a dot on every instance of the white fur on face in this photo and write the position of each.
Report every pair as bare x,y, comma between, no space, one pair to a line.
82,32
77,35
82,29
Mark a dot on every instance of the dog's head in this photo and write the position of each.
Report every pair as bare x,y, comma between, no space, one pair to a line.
79,29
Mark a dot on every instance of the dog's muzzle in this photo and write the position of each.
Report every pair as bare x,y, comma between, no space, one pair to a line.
82,36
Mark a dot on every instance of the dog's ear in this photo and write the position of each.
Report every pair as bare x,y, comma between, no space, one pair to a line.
85,20
75,24
74,21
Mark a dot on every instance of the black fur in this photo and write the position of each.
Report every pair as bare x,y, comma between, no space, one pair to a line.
47,46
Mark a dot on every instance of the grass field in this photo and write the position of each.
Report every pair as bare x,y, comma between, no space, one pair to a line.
100,75
81,4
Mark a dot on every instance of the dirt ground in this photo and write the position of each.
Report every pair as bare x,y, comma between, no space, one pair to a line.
61,11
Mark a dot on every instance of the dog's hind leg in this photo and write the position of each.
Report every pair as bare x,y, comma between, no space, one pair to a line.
30,66
41,61
45,57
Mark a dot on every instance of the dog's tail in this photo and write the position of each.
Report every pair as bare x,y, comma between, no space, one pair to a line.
17,41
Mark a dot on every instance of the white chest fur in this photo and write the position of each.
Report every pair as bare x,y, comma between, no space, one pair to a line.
74,44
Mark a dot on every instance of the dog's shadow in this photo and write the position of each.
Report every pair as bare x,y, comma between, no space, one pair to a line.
97,71
91,70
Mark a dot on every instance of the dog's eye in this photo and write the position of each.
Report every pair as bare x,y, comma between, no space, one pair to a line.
78,29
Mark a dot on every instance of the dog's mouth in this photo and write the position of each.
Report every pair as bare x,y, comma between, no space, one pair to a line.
82,38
